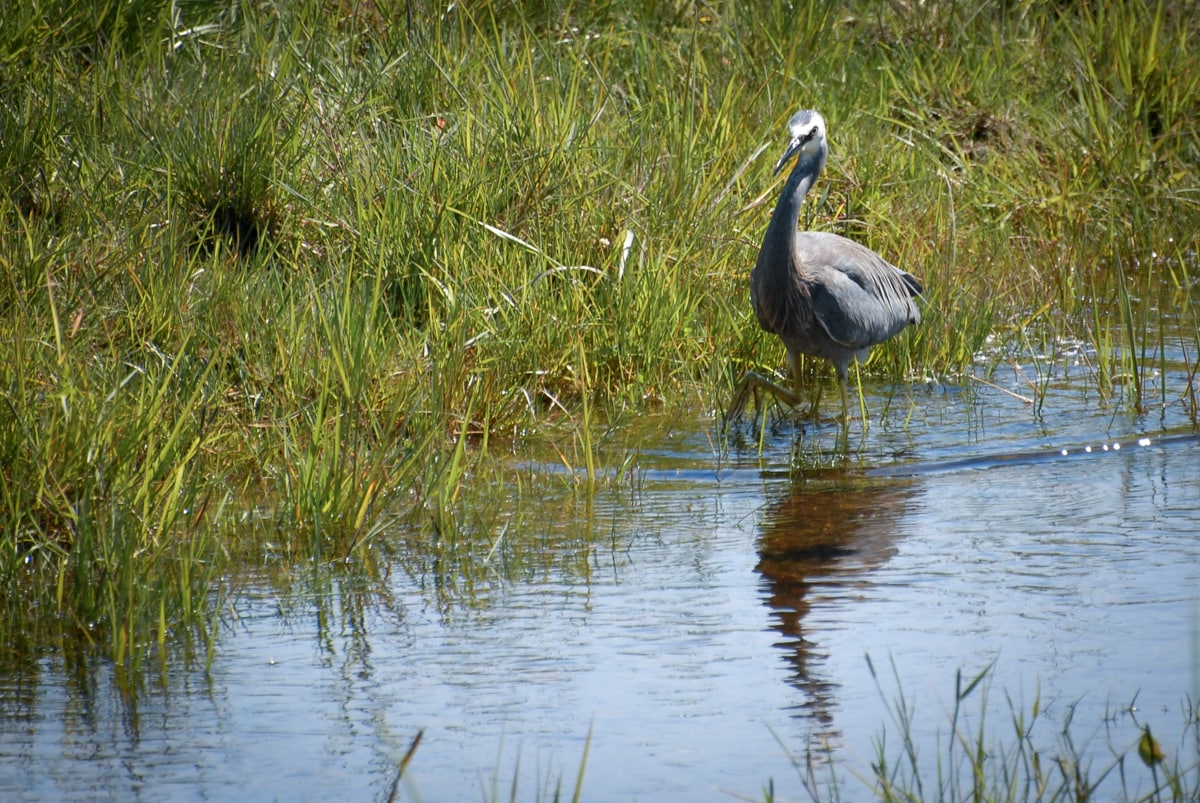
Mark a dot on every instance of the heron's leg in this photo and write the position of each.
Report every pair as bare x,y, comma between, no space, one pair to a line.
842,369
845,403
752,381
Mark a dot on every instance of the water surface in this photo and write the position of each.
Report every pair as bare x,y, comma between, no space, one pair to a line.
696,627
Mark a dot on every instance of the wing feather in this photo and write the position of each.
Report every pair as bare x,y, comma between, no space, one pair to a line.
858,298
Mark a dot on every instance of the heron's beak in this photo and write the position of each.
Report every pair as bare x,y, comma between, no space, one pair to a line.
793,148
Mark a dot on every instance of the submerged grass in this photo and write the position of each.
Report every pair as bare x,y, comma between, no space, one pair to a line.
275,275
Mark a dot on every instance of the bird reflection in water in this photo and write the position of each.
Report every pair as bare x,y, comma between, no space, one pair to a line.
819,544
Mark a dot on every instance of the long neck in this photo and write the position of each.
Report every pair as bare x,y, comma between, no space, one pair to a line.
779,241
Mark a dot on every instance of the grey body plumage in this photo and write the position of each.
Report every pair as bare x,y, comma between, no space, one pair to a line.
822,294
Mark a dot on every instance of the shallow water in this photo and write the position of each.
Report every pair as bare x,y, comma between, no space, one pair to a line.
705,622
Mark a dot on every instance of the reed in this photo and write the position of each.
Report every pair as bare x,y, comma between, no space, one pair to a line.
1032,759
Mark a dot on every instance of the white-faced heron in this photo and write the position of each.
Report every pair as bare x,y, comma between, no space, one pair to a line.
824,295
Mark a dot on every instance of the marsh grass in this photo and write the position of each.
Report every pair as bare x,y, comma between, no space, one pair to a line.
276,278
1030,758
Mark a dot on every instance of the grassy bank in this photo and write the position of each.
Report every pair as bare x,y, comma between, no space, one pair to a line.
275,273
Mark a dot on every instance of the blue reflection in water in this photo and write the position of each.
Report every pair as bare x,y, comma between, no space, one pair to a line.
700,626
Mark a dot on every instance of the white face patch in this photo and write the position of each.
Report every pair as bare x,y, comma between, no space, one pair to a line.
805,121
806,129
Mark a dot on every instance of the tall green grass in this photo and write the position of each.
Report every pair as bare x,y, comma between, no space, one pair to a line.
275,276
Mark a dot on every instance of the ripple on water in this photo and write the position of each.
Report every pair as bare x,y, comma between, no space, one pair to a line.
715,612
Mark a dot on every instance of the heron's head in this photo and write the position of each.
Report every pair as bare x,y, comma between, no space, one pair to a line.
807,132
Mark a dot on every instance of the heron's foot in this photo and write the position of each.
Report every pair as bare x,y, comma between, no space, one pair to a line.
751,383
823,415
738,403
820,418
